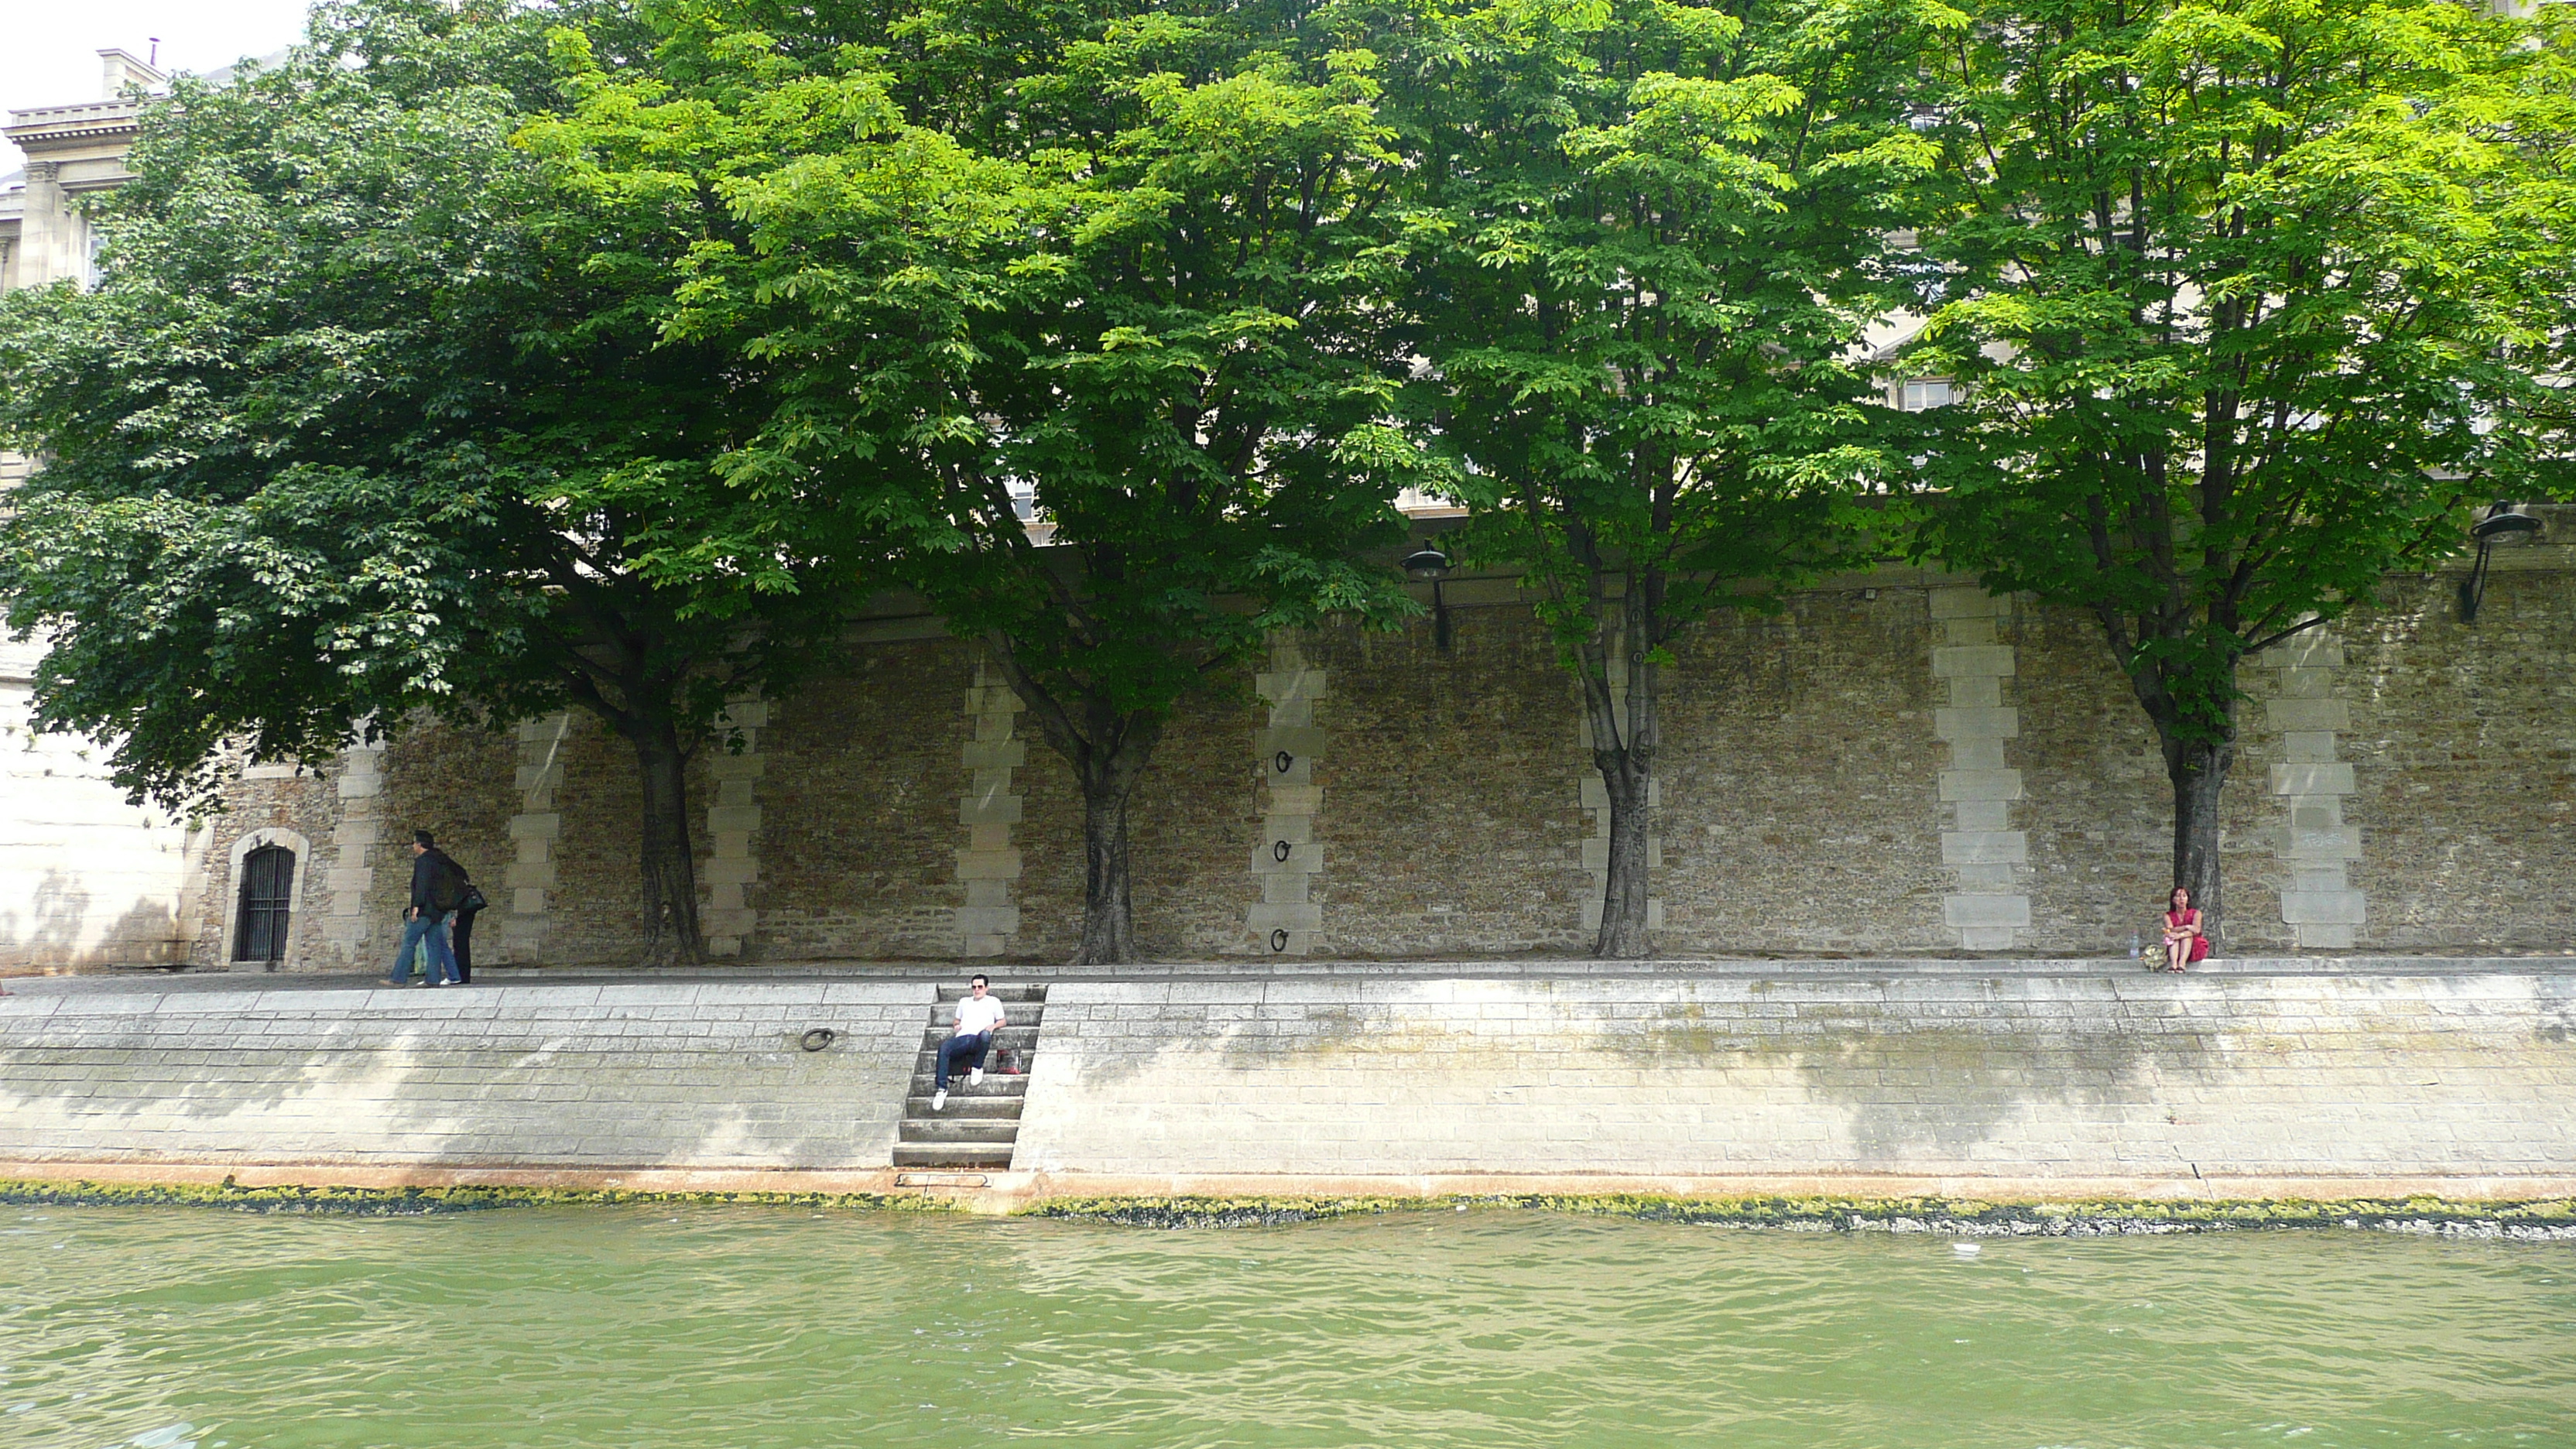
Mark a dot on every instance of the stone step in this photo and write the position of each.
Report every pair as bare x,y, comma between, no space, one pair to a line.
952,1154
924,1082
964,1101
1016,1035
1004,994
991,1131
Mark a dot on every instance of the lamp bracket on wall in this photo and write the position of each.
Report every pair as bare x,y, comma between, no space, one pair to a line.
2502,521
1430,565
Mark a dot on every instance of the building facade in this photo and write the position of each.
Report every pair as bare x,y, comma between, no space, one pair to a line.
86,880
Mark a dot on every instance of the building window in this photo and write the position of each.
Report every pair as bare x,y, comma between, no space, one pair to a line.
267,876
1920,393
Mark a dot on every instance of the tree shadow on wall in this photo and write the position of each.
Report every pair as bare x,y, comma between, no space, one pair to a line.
53,932
528,1085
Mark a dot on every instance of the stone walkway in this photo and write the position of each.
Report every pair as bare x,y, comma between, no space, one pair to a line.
1274,969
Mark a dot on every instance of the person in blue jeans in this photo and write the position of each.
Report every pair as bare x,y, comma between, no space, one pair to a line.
979,1016
434,879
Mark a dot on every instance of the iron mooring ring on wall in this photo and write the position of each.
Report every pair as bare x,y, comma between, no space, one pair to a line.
1279,940
817,1039
1280,850
1283,762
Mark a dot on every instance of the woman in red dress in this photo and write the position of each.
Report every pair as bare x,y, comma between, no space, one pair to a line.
2184,942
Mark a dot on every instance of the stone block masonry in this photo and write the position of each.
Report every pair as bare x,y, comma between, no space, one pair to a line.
2318,902
533,832
1989,861
1968,1082
733,769
2023,1079
988,865
564,1077
1286,859
1894,764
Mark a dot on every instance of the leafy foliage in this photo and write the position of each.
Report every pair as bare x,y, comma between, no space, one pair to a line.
367,419
1130,284
2242,295
1651,240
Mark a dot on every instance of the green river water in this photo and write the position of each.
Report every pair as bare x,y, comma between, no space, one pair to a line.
622,1328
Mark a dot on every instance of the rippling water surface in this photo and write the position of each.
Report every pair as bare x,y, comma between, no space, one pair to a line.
749,1327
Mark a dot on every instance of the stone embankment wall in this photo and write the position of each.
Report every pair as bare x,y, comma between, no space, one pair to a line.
1896,765
2022,1084
562,1077
2026,1078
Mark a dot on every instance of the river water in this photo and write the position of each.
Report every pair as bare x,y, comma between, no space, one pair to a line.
745,1328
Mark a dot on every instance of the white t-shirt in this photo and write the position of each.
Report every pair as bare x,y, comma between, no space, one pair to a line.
977,1015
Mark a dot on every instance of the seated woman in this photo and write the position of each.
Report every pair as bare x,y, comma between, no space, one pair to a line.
2184,942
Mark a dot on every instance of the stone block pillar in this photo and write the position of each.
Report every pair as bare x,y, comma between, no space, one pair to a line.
1288,920
988,863
1595,848
2319,904
343,929
733,830
534,830
1988,860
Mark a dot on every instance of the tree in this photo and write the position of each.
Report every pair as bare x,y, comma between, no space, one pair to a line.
2238,291
366,422
1650,240
1136,275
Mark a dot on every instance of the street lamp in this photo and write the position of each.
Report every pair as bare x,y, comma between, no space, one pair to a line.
1431,565
2501,520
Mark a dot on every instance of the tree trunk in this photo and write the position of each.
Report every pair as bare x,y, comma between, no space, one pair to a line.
1626,760
1108,751
1623,935
1108,913
2198,769
671,934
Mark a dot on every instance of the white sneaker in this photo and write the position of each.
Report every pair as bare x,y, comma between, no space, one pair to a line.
975,1077
939,1101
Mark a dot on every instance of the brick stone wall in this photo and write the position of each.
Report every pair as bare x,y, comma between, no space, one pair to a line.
2403,782
2464,760
858,823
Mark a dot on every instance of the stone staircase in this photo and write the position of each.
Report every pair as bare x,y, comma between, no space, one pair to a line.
981,1123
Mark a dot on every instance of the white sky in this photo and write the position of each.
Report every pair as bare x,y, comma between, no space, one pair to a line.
49,48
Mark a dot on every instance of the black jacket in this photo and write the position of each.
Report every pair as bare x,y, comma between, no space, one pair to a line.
434,875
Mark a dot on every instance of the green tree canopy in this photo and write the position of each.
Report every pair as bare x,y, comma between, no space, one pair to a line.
2243,294
365,421
1650,240
1131,269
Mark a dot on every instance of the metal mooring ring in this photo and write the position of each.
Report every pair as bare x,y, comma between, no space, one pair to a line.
1279,940
817,1039
1283,762
1280,850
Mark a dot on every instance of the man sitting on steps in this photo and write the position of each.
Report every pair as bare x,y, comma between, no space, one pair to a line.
978,1017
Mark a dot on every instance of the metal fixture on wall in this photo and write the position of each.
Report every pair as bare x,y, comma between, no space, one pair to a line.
2501,521
1430,564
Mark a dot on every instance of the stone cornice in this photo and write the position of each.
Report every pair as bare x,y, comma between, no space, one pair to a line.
88,121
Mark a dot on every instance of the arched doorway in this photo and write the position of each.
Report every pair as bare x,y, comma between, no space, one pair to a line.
267,884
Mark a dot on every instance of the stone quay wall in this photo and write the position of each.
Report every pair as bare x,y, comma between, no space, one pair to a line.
2024,1078
2025,1084
706,1076
1898,764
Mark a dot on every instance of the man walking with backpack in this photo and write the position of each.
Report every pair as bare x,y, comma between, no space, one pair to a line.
438,887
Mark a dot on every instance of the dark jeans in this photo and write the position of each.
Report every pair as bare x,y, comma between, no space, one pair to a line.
972,1048
461,932
429,929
